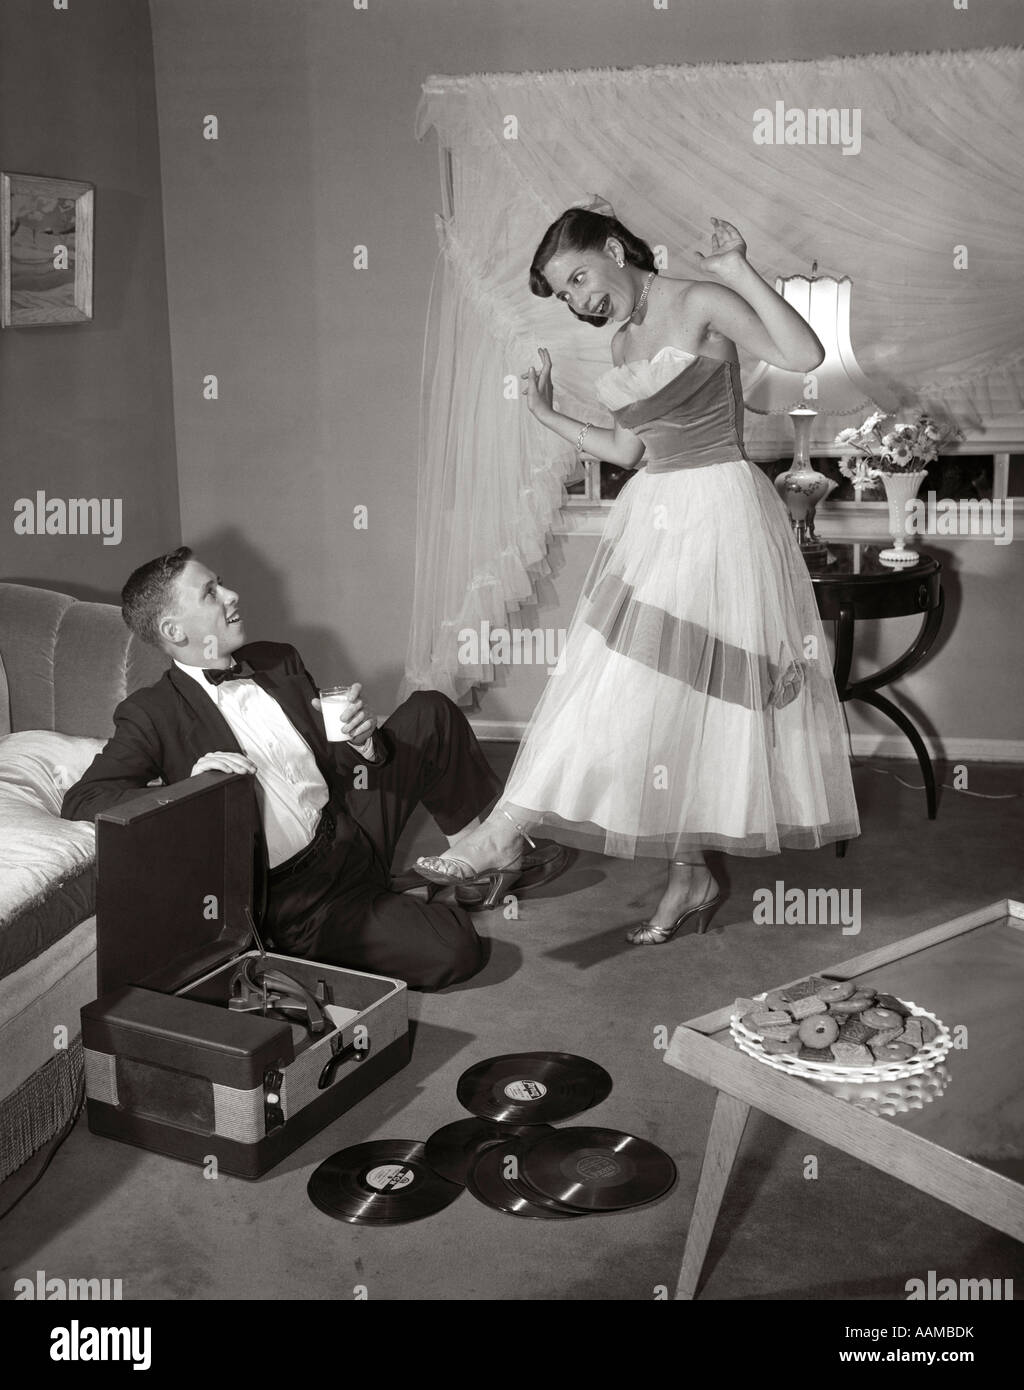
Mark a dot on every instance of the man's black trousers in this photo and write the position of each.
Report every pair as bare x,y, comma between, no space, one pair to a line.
336,906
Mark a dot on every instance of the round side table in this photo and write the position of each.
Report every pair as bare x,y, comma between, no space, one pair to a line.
858,585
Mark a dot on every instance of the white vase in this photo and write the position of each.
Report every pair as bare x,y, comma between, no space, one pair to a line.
900,488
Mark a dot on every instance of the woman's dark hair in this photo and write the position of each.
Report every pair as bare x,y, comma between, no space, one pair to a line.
580,230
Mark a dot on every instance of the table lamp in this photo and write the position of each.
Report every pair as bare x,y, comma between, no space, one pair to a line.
836,387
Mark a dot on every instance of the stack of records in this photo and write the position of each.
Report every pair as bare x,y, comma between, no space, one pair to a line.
508,1156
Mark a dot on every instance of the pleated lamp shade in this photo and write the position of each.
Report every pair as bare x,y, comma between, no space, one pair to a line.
837,387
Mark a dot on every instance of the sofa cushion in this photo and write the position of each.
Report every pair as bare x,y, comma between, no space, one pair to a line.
46,864
68,663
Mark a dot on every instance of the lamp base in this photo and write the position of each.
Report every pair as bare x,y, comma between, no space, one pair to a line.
816,553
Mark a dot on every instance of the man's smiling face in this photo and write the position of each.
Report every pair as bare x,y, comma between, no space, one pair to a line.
202,626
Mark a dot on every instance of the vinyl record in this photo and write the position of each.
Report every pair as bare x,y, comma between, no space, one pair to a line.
489,1182
590,1169
453,1149
380,1184
529,1088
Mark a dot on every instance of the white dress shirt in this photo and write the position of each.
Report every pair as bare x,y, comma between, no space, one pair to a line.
291,790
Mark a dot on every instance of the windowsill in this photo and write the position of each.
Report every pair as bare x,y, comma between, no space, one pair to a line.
856,521
845,520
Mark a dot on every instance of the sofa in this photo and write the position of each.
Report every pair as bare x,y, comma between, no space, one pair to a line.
64,667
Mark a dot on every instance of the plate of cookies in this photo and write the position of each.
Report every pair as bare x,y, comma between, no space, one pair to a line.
839,1030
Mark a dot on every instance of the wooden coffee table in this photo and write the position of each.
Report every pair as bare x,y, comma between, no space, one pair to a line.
964,1147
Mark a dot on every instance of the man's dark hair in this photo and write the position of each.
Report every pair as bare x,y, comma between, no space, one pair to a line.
148,592
579,229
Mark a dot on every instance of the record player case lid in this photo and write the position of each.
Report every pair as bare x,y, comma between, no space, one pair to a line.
176,870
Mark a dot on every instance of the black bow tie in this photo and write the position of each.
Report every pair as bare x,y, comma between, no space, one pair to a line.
239,671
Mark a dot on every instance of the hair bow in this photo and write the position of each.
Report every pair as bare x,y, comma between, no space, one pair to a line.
593,202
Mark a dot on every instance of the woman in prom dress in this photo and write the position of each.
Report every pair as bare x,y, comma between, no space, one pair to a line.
695,707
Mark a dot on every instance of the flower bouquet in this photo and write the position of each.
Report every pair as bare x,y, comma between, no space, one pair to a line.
899,458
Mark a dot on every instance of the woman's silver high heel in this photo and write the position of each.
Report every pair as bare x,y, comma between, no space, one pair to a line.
647,935
438,869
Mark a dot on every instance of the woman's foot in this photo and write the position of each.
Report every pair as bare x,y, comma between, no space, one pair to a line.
690,888
494,846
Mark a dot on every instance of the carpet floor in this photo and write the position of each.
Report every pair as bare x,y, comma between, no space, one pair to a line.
561,977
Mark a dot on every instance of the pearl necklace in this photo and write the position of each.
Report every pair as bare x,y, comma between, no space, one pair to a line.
643,295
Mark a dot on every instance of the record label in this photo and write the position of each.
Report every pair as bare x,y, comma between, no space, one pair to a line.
597,1167
389,1177
526,1090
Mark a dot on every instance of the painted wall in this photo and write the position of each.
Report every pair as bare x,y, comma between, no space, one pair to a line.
85,409
319,363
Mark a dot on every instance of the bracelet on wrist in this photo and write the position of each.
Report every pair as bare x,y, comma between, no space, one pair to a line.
581,436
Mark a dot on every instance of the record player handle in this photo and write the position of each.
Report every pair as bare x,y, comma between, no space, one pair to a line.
343,1054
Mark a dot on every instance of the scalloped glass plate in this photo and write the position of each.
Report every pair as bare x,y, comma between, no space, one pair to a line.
923,1059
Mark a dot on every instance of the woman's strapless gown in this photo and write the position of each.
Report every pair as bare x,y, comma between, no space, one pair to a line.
695,708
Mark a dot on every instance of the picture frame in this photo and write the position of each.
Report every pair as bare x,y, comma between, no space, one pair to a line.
46,251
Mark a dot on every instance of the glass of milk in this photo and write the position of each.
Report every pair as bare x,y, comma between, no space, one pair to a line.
334,701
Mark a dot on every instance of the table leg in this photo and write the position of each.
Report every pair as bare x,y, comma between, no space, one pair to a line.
872,697
841,672
915,653
844,650
719,1155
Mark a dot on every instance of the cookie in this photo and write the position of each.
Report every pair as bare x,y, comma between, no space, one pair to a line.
881,1036
913,1034
815,1054
785,1046
882,1018
776,999
786,995
929,1031
856,1004
849,1054
783,1031
810,1004
767,1018
889,1001
853,1031
837,990
819,1031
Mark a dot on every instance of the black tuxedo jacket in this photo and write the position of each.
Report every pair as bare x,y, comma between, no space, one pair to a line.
161,730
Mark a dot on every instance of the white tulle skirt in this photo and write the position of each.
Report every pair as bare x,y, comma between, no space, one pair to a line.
695,706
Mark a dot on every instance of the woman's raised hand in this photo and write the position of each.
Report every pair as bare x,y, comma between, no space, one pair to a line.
728,250
537,387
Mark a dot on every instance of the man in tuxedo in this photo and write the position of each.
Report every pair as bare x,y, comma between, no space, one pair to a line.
332,813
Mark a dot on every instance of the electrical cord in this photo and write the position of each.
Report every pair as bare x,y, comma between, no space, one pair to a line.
961,791
919,786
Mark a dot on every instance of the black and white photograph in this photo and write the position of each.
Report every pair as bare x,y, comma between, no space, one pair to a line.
511,668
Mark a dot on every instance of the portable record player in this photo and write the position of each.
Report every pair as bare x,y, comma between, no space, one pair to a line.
199,1046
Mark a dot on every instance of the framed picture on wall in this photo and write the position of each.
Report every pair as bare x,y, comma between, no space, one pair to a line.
45,251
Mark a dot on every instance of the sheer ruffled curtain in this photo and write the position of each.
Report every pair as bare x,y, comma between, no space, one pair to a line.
925,218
